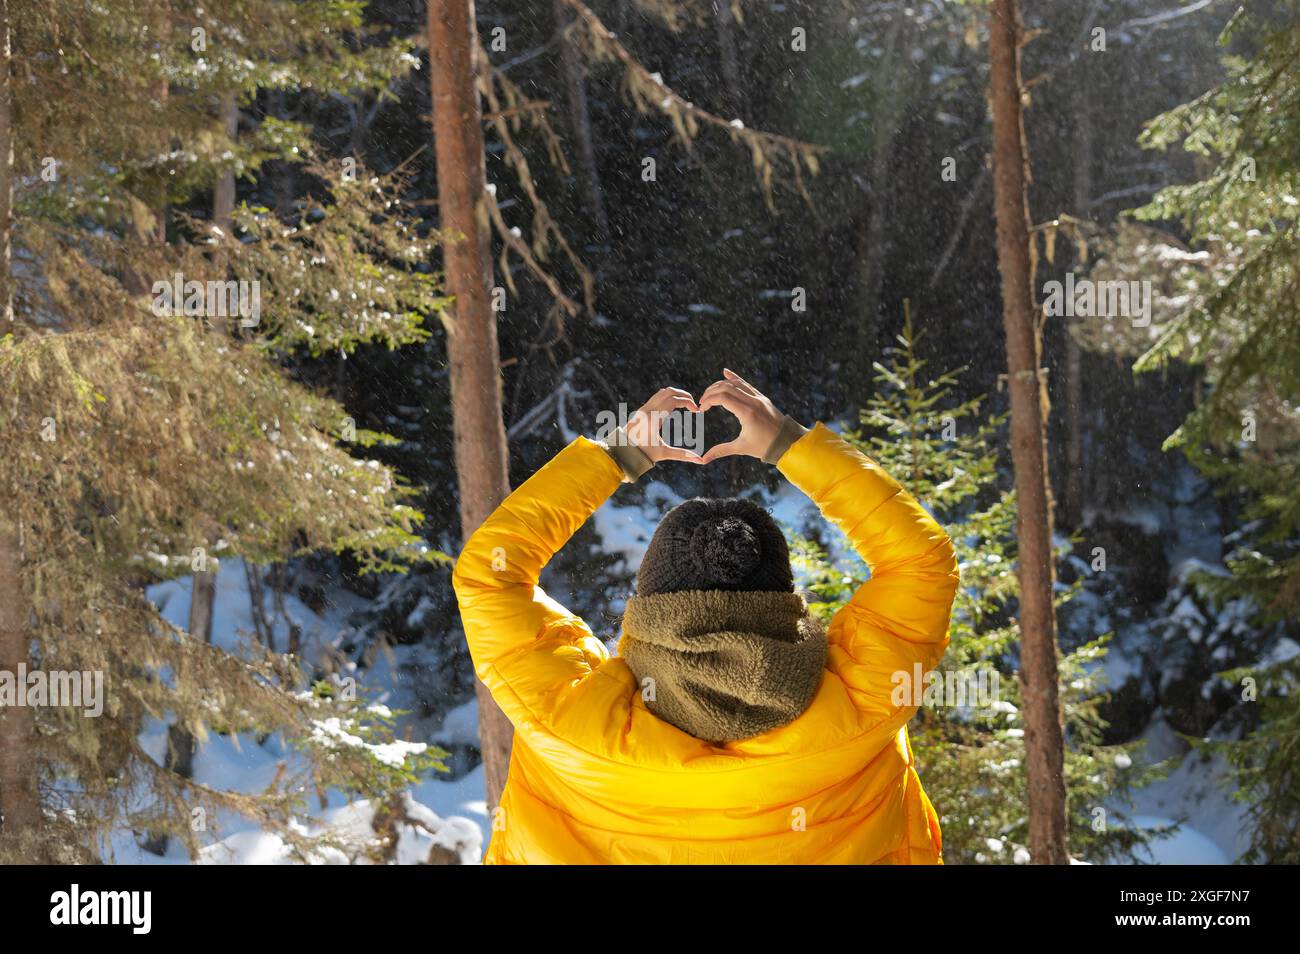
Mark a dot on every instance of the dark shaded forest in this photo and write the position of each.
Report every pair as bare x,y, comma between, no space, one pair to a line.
802,192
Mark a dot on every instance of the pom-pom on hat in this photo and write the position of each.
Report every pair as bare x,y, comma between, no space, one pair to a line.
716,544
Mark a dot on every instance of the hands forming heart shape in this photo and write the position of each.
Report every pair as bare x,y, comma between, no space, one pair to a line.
760,421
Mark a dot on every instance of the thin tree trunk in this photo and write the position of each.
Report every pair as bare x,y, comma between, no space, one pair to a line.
203,583
223,193
870,232
1044,742
179,757
19,802
725,23
1073,353
575,94
283,175
180,742
6,173
202,600
482,472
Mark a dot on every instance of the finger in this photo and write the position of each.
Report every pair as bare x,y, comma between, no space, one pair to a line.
666,407
729,397
736,379
717,386
667,452
653,400
664,403
680,392
673,401
647,424
667,397
718,451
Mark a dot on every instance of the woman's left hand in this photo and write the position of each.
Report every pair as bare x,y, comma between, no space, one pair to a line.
643,428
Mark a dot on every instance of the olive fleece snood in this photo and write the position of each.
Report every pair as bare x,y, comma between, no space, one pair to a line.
724,665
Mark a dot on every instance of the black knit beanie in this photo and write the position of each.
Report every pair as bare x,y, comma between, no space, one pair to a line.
716,544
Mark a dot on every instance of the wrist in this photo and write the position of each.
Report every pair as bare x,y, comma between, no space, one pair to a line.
789,431
633,460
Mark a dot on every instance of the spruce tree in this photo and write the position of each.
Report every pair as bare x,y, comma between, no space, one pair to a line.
1231,310
148,436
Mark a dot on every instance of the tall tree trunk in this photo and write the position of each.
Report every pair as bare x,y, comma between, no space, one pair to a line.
871,230
575,94
19,803
482,472
223,192
203,588
1044,741
1073,353
283,175
725,22
6,172
203,583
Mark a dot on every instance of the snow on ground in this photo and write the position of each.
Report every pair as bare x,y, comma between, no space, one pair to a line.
450,814
351,825
1186,846
1212,825
625,526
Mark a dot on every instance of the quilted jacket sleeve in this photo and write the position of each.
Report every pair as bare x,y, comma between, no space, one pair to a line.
529,650
898,620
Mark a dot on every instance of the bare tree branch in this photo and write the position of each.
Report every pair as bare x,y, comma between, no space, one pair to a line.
651,94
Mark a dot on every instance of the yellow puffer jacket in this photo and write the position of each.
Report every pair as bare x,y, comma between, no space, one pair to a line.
596,778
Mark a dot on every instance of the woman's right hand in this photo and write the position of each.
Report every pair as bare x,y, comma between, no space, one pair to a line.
760,421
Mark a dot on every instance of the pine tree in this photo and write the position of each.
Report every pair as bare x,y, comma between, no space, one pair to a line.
148,438
1231,311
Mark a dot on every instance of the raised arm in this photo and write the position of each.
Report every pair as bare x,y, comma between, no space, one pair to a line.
897,622
527,648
